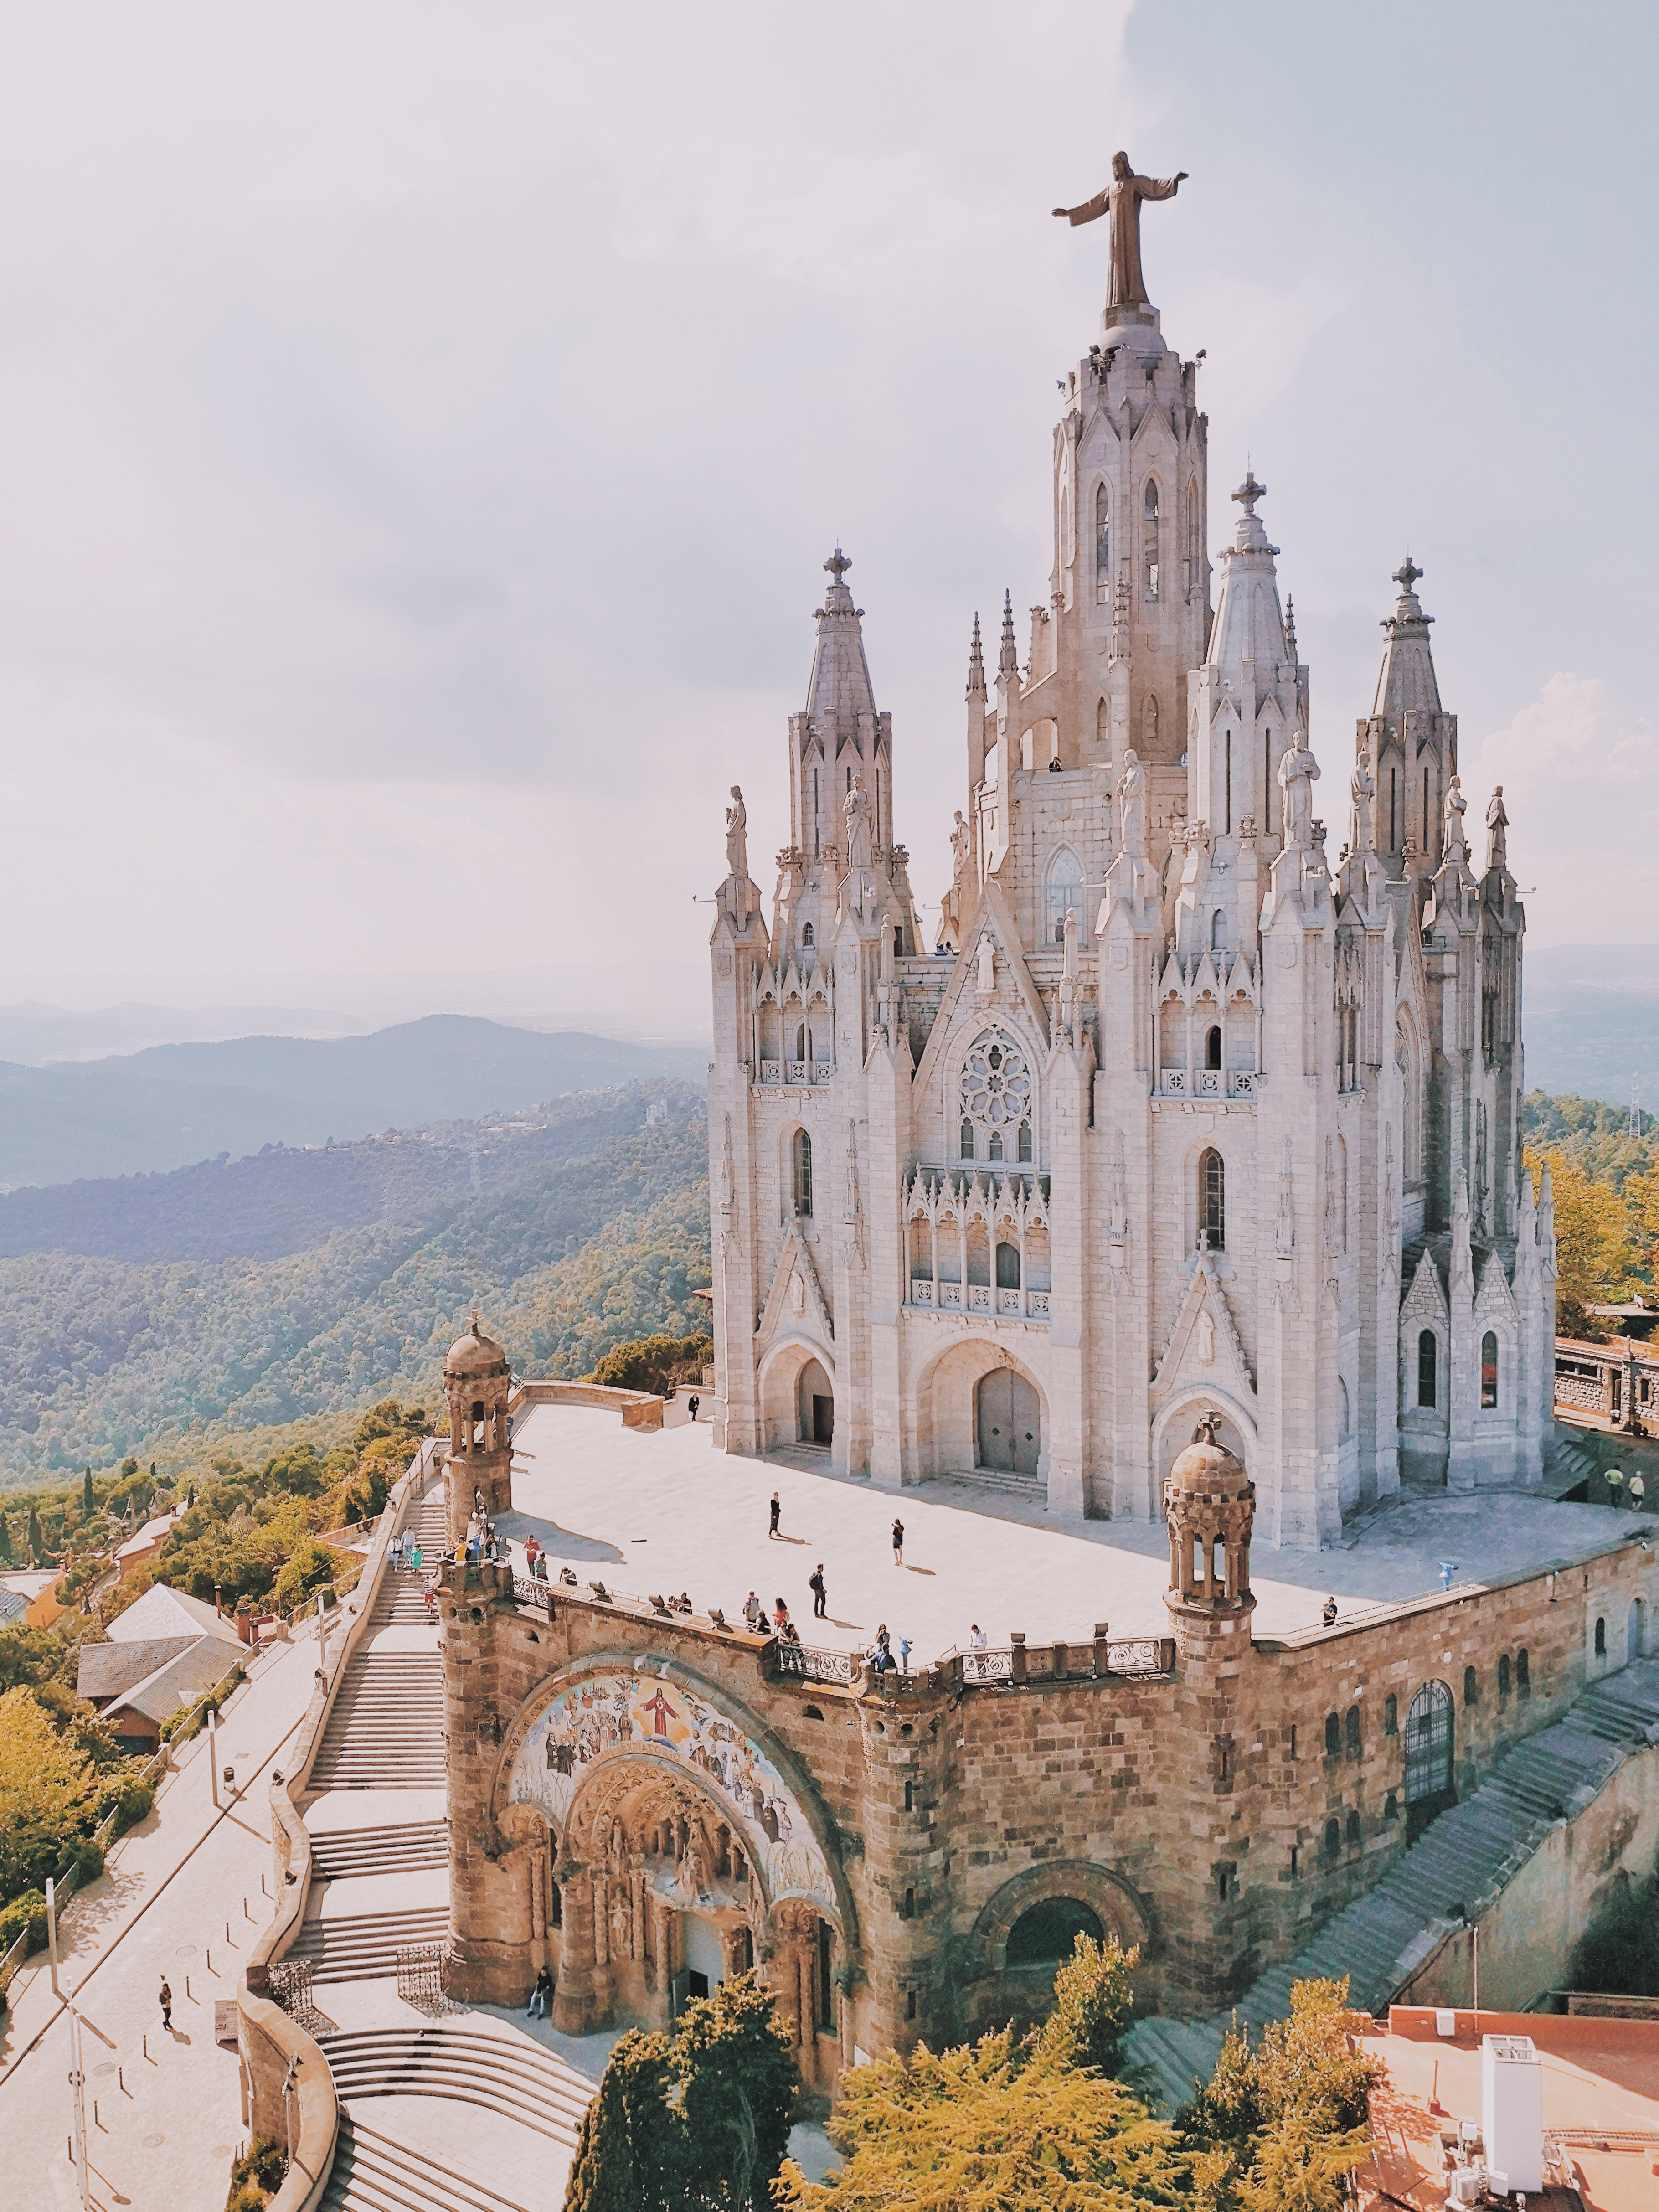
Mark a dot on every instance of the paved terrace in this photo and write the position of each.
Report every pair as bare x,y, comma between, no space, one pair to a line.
664,1512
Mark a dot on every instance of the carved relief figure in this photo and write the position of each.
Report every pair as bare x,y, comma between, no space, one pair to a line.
1132,803
737,838
856,812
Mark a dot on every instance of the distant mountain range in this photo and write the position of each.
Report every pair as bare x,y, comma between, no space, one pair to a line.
1591,1021
144,1308
168,1106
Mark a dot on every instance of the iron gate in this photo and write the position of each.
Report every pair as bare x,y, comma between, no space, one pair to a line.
1429,1743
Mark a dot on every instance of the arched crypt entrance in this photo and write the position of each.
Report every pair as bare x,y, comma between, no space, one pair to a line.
683,1853
1009,1422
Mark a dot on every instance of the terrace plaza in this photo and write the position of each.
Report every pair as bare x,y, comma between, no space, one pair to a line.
667,1512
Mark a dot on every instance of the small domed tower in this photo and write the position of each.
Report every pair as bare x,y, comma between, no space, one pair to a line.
1210,1503
476,1383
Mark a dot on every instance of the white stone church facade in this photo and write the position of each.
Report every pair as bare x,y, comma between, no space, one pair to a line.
1188,1112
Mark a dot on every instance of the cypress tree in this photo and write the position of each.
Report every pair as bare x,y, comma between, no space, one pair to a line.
88,1505
37,1541
5,1539
627,2153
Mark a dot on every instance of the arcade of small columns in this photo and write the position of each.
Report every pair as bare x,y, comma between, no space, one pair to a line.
642,1853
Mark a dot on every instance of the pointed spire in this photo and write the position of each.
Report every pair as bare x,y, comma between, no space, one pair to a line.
1290,628
840,690
975,662
1407,678
1008,663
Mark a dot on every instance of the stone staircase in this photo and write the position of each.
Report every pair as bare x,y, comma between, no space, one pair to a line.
385,1731
412,1848
372,2173
364,1945
1464,1859
504,2074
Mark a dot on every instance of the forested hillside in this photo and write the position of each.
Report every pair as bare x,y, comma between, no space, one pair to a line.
136,1312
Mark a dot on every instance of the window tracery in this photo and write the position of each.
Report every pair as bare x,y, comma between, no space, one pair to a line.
997,1096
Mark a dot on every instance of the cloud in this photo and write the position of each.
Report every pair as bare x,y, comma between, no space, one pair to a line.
1580,772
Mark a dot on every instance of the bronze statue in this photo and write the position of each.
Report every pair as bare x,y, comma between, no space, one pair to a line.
1121,201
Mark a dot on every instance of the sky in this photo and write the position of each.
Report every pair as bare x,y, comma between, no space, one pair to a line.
421,429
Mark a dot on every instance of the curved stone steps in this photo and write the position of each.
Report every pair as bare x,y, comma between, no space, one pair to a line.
372,2173
517,2080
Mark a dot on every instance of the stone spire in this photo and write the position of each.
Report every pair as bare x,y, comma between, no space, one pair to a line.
975,665
1008,661
841,690
1248,624
1407,678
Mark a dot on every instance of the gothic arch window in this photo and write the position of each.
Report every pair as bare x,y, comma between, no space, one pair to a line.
1428,1368
1062,894
1194,538
1149,540
1102,723
1212,1200
1267,783
1523,1673
1149,720
801,1163
998,1094
1489,1371
1218,943
1213,1046
1227,783
966,1139
806,933
1102,548
1503,1674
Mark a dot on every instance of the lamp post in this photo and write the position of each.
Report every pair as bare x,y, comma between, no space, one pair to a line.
78,2078
213,1753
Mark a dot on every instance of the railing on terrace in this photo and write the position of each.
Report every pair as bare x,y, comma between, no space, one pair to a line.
1208,1083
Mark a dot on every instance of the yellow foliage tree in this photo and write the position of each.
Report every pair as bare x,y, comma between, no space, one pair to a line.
1592,1254
48,1793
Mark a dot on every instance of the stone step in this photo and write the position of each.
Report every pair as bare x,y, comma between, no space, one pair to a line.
345,1853
515,2078
1468,1853
372,2173
365,1945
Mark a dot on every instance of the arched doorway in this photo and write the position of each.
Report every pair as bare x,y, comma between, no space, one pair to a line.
1045,1935
1429,1747
816,1406
1008,1423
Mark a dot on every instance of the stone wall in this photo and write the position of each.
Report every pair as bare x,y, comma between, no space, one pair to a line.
1188,1809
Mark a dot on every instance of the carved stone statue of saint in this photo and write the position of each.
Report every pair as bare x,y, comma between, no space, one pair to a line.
1364,791
1453,844
737,839
856,812
988,964
1132,803
958,848
1298,771
1498,823
1122,200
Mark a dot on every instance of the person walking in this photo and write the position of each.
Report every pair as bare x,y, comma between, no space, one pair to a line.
394,1552
1615,1484
777,1509
540,1995
898,1542
166,2006
815,1583
1638,1490
692,1404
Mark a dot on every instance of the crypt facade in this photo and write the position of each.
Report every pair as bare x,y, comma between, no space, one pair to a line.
1176,1107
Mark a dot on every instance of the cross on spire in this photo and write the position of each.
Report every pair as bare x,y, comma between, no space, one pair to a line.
1407,576
1249,491
838,564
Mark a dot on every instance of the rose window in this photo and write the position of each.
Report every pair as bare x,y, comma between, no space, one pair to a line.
996,1084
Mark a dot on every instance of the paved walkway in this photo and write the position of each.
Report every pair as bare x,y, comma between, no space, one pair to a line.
665,1512
168,2119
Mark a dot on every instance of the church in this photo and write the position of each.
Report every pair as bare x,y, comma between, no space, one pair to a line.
1178,1110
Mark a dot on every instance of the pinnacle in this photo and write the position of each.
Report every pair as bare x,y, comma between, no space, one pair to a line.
1008,662
975,661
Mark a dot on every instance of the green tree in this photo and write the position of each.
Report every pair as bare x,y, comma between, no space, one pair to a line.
37,1541
627,2154
88,1503
1592,1257
654,1362
48,1793
5,1541
739,2087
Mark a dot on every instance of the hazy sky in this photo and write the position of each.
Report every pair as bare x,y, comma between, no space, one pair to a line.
422,429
